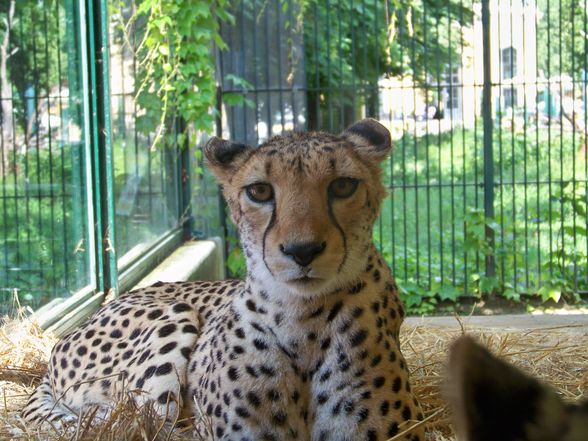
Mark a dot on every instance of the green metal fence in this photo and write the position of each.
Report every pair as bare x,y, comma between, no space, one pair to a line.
87,203
486,103
44,201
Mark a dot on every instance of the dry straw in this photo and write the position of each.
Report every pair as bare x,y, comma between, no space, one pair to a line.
559,355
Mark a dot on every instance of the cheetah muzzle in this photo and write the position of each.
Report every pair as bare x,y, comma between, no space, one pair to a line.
305,348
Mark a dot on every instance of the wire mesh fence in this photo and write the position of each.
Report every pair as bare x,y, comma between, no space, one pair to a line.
62,167
471,208
44,241
482,196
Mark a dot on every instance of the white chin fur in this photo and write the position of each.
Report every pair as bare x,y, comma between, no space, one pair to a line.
284,288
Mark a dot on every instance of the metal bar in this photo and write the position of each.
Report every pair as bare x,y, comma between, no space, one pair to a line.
562,265
329,80
50,147
255,76
280,81
101,134
487,118
219,133
27,171
36,82
92,269
65,245
574,225
525,171
290,51
268,74
585,140
317,103
499,112
427,157
415,153
463,145
549,107
243,66
403,177
476,143
451,145
538,199
513,58
439,163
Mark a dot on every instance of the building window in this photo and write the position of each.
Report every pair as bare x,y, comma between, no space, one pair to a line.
453,90
510,97
509,63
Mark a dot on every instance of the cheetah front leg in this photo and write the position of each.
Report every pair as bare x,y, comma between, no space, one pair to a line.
160,375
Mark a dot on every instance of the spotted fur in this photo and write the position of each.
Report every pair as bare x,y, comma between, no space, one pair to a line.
305,348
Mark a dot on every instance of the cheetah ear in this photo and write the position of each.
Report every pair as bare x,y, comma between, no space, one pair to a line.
370,138
225,157
493,400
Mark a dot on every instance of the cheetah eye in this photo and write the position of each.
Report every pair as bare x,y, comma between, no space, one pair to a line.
260,192
343,187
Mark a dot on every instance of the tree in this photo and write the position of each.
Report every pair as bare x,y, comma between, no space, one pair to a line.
33,56
5,89
350,44
562,39
562,50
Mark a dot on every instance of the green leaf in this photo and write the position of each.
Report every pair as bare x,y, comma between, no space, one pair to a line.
239,82
511,294
448,292
550,292
233,99
488,284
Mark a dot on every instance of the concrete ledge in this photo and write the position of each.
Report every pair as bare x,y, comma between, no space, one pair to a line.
575,322
197,260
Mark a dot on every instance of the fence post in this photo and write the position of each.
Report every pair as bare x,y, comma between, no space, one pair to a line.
102,160
221,200
487,119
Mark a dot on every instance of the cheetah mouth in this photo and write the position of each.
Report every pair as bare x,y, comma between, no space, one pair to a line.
304,280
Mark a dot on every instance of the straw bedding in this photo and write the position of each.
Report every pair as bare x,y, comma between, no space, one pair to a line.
559,355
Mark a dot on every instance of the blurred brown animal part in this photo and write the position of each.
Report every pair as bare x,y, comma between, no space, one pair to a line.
493,400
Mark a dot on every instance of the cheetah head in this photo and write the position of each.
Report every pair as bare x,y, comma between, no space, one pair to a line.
304,204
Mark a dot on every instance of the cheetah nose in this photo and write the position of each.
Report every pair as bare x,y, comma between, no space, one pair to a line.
303,253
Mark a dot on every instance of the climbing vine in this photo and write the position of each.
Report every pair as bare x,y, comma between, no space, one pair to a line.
172,43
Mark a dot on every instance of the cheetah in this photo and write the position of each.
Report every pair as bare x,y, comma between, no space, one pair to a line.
305,348
495,401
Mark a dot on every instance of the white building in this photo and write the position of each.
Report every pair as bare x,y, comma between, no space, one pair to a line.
513,70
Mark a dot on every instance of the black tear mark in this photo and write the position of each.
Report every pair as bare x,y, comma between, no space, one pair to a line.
334,221
265,233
